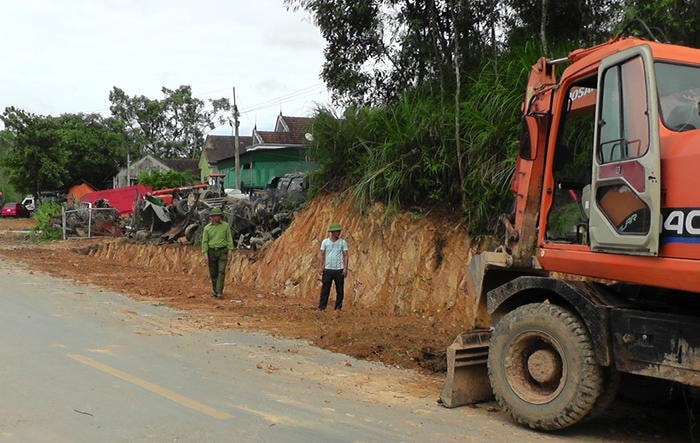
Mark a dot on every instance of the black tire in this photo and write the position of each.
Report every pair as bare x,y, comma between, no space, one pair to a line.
542,367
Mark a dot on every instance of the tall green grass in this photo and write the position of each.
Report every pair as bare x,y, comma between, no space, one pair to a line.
405,153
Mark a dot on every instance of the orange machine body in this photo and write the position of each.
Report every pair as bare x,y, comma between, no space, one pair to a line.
675,262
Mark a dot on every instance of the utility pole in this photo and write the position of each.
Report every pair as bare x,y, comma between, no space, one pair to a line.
235,141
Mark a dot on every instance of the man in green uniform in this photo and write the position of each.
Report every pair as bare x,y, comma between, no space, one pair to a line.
216,244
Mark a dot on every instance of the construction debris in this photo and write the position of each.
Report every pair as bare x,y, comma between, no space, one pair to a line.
179,214
99,219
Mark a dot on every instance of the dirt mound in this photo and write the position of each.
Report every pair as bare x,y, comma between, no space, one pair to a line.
406,289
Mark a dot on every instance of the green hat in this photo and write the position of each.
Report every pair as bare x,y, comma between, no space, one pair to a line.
335,227
216,211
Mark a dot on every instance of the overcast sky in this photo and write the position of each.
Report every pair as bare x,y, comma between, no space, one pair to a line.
64,56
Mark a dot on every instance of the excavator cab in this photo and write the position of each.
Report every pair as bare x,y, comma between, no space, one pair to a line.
605,165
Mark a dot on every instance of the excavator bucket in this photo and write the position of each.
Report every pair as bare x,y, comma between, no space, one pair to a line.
467,378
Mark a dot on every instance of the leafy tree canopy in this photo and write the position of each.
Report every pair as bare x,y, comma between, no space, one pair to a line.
171,127
8,191
677,20
375,49
53,153
378,49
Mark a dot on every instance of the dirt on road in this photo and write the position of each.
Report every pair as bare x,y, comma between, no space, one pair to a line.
412,335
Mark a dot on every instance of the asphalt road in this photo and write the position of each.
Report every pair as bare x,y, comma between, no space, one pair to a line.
79,364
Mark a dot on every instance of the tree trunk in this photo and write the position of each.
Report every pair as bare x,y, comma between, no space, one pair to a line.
543,26
458,85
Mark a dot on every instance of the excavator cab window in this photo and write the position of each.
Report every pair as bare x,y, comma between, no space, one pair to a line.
624,126
572,164
679,95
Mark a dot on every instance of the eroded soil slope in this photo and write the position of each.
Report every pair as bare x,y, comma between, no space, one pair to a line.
406,292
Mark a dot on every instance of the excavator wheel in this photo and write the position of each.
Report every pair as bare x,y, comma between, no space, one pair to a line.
542,367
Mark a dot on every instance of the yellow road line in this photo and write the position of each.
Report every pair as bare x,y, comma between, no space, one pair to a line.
271,418
158,390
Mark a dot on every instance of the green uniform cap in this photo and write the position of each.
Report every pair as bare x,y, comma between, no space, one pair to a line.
335,227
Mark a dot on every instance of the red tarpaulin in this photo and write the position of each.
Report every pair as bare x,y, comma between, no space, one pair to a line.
121,199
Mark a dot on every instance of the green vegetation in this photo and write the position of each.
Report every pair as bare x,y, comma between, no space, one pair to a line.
167,179
48,153
39,153
405,153
433,91
9,193
45,216
172,127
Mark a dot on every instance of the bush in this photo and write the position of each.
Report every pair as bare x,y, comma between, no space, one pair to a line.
44,215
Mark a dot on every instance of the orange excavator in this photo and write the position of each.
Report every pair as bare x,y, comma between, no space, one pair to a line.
599,270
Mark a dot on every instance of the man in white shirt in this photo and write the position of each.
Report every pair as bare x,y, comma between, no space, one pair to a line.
334,267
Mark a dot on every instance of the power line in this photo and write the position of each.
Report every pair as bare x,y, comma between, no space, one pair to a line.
292,96
282,99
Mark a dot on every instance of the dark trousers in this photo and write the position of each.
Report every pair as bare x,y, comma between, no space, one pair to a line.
329,276
217,258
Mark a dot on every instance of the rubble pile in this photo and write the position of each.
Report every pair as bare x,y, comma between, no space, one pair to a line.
255,220
180,214
98,220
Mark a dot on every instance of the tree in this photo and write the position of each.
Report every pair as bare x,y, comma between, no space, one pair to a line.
52,153
377,49
678,20
8,191
560,24
434,89
168,128
96,148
